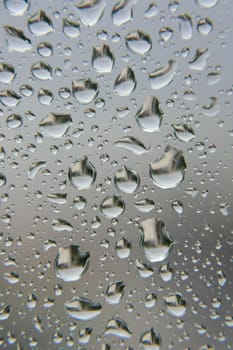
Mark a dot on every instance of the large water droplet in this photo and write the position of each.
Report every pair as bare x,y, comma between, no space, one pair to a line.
150,340
125,82
14,121
16,40
56,125
82,174
41,71
112,206
7,73
138,42
71,263
82,309
126,180
117,327
71,29
40,24
16,7
102,59
91,11
9,98
149,116
183,132
207,3
122,12
85,91
186,27
168,172
155,241
200,59
115,292
131,144
175,304
163,76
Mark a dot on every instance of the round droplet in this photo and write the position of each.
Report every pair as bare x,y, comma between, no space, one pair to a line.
168,172
40,24
118,328
204,26
71,263
126,180
71,29
7,73
138,42
112,206
16,7
82,174
123,248
26,90
125,82
45,49
183,132
166,33
41,71
84,91
9,98
14,121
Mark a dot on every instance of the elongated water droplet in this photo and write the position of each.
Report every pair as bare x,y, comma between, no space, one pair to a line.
7,73
115,292
183,132
117,327
163,76
16,40
71,263
102,59
144,270
156,241
40,24
112,206
82,309
177,206
200,60
138,42
71,29
204,26
2,180
149,116
176,305
126,180
207,3
122,12
56,125
35,168
186,27
9,98
125,82
144,205
16,7
91,11
123,248
82,174
85,91
57,198
168,172
151,11
14,121
150,340
41,71
60,225
5,312
38,324
131,144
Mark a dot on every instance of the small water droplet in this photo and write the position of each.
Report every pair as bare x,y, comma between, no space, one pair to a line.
45,49
112,206
56,125
126,180
200,60
151,11
207,3
9,98
5,312
60,225
177,206
138,42
14,121
163,76
176,305
144,205
123,248
150,340
40,24
183,132
82,174
45,97
84,335
85,91
166,33
125,82
35,168
2,180
144,270
82,309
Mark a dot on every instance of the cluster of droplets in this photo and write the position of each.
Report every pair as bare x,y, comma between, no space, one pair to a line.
92,119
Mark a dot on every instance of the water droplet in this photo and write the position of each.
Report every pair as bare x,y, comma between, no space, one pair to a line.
168,172
91,11
82,174
200,60
212,109
40,24
126,180
85,91
71,263
123,248
60,225
122,12
71,29
45,97
150,340
186,27
26,90
16,7
56,125
131,144
207,3
16,40
112,206
177,206
155,241
149,116
45,49
213,78
9,98
7,73
144,270
151,11
204,26
41,71
125,82
150,300
175,304
163,76
144,205
5,312
138,42
102,59
82,309
117,327
57,198
115,292
183,132
14,121
84,335
166,33
11,277
2,180
35,168
38,324
166,272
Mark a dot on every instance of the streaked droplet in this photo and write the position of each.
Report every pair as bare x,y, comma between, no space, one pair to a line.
56,125
155,241
40,24
112,206
5,312
57,198
41,71
138,42
7,73
150,340
91,11
168,171
118,328
115,292
149,116
126,180
82,309
211,110
79,202
102,59
176,305
125,82
2,180
131,144
82,174
163,76
85,91
71,263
